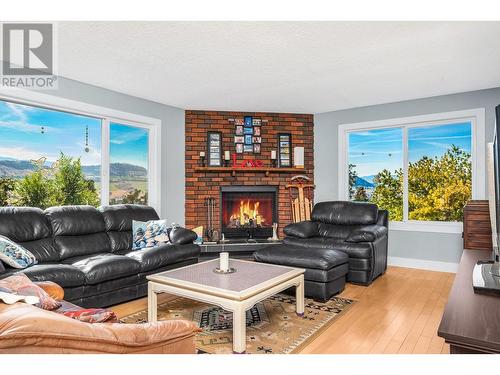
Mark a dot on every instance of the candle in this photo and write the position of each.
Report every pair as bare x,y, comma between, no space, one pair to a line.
227,155
202,154
224,261
273,155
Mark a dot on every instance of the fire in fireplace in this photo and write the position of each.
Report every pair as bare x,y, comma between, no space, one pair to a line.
248,211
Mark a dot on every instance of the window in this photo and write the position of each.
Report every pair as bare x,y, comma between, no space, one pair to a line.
128,157
375,168
51,157
422,169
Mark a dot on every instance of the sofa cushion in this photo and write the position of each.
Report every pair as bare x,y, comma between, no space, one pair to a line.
119,217
120,241
29,227
163,255
72,246
345,213
64,275
102,267
23,224
297,256
182,236
75,220
353,250
368,233
43,249
118,221
304,229
335,230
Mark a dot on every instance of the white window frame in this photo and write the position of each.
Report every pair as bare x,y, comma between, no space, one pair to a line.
108,116
477,119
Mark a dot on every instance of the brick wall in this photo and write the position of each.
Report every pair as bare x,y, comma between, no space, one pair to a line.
200,185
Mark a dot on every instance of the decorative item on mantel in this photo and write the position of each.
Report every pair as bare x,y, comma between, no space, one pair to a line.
298,157
273,158
301,197
284,150
214,146
227,158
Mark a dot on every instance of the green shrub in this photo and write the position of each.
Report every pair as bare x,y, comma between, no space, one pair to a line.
63,184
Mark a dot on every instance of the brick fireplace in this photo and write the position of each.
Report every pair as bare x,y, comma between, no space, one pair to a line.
202,183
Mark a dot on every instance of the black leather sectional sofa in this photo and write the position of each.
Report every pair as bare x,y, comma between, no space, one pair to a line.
88,251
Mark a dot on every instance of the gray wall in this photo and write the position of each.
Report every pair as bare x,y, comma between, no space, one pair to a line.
172,120
421,245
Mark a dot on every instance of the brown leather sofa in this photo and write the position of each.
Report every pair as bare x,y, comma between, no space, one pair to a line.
26,329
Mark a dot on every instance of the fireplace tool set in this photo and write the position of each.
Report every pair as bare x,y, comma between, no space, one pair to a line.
211,234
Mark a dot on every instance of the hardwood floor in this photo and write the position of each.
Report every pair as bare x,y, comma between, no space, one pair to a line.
399,313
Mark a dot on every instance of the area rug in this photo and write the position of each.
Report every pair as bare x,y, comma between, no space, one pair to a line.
272,325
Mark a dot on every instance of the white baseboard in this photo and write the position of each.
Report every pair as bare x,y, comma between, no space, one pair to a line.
431,265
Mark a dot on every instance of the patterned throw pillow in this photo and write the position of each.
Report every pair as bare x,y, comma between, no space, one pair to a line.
15,255
149,233
9,297
22,285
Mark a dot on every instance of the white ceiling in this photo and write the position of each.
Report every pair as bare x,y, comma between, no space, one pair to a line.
308,67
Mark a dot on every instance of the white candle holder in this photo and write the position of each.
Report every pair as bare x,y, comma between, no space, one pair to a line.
224,264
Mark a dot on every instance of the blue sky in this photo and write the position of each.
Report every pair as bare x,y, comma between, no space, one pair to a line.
21,136
128,145
373,150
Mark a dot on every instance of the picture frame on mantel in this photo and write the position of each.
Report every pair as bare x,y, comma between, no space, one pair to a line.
284,150
214,149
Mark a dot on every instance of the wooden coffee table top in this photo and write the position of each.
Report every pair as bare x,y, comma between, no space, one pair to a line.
250,278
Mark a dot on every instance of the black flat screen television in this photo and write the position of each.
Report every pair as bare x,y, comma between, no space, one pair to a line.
486,273
494,196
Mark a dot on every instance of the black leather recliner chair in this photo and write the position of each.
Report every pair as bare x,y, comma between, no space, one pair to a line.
358,229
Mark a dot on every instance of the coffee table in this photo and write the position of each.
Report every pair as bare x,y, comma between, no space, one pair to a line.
235,292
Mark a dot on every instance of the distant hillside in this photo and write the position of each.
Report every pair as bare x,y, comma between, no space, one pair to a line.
15,168
369,178
20,168
129,170
362,182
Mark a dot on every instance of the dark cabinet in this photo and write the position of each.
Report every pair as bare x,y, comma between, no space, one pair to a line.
477,225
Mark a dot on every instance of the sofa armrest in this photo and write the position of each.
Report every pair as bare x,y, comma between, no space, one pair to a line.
28,329
181,236
368,233
52,289
304,229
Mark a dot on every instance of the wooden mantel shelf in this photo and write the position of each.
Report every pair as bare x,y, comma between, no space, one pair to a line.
235,170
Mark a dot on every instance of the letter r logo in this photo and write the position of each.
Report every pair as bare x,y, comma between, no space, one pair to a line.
27,49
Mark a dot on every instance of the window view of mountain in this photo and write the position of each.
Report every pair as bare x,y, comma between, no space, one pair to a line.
36,140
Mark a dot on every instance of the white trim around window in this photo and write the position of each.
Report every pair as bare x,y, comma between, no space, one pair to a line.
108,115
478,148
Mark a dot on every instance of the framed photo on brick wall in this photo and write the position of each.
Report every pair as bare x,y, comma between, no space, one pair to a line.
214,148
284,150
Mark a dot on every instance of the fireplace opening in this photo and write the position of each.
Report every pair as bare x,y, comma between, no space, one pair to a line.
248,211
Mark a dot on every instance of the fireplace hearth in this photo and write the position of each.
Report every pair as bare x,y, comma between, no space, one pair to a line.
248,211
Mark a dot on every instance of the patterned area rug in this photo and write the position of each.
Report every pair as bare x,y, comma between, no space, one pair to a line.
272,325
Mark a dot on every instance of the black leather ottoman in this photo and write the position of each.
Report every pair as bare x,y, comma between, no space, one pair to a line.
326,269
